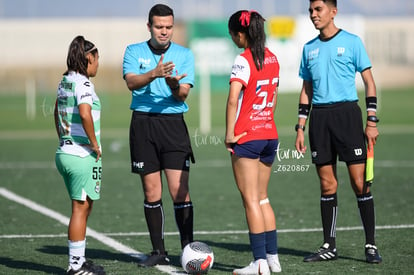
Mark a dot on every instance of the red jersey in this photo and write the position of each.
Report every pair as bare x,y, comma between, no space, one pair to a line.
255,106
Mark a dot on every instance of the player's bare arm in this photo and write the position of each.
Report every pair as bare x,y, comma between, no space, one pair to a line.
274,102
232,101
87,123
55,114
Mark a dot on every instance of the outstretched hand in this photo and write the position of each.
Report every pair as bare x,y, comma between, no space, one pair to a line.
173,81
166,70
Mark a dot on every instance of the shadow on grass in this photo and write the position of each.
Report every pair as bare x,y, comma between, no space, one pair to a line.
97,254
238,247
282,251
93,254
30,266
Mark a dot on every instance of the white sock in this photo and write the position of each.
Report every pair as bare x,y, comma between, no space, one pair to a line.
76,254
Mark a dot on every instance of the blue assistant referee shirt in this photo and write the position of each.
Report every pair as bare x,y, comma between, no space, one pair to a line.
331,66
156,97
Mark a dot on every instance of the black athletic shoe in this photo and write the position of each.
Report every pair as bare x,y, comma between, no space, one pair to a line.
372,255
87,267
156,258
325,253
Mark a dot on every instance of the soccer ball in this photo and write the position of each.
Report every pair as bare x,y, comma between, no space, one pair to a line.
197,258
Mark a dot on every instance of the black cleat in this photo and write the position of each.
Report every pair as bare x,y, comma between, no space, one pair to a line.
372,255
156,258
325,253
87,267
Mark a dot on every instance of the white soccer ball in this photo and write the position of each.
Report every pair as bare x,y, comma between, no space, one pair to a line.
197,258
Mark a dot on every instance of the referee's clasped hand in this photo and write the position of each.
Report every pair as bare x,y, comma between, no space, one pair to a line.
173,81
164,69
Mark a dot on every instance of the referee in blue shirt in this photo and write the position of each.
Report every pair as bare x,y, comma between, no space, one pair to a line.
328,68
160,73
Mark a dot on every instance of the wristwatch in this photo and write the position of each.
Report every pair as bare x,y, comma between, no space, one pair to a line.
298,126
373,119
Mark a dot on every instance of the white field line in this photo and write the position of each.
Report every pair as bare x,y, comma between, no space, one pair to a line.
214,163
225,232
103,238
122,133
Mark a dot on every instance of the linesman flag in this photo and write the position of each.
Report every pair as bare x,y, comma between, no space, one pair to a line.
369,167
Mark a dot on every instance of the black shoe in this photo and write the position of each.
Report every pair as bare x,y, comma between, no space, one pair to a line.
372,255
156,258
87,268
325,253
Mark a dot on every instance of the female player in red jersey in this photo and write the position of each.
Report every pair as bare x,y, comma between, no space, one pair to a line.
251,135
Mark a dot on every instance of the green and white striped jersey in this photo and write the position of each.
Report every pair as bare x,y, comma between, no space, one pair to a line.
73,90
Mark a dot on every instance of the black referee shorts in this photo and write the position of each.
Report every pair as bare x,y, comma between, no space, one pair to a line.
336,130
159,141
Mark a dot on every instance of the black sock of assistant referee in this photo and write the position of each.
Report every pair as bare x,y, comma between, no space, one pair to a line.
329,211
367,212
154,215
184,219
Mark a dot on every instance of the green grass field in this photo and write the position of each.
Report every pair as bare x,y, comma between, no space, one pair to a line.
33,239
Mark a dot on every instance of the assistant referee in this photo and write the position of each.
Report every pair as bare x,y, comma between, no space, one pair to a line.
328,68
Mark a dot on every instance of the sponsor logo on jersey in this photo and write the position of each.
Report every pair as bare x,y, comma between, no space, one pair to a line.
237,69
65,85
270,59
341,51
313,54
144,63
85,95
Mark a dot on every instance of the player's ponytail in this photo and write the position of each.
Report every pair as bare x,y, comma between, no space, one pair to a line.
257,38
77,60
252,24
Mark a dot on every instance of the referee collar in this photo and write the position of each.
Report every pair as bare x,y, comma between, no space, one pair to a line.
157,51
329,38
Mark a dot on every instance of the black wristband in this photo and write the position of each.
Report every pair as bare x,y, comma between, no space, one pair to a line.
303,110
372,119
175,88
298,126
371,103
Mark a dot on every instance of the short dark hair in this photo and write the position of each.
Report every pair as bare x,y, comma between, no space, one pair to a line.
159,10
332,2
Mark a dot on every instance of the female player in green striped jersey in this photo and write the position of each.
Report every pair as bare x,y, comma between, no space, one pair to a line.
78,157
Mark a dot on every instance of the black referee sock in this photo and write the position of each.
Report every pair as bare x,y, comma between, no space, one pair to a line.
154,215
184,217
367,212
329,210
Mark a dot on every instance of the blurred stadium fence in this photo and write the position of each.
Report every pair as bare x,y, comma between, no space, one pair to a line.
35,49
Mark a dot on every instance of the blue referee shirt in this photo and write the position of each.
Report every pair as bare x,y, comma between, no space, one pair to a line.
331,66
156,97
